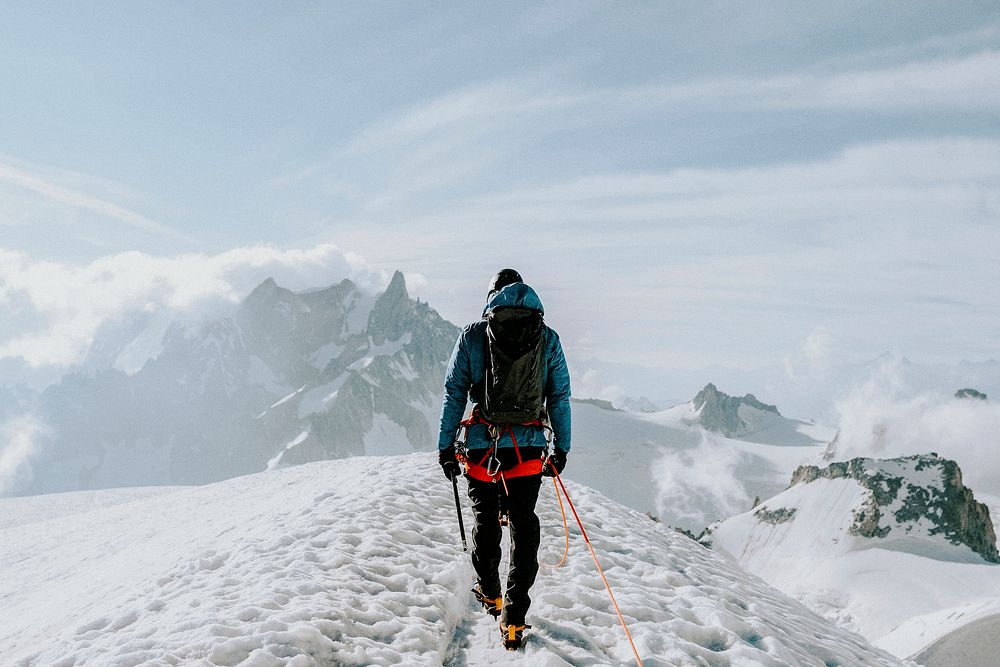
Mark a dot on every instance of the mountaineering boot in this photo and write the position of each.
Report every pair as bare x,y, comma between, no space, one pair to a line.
512,636
491,605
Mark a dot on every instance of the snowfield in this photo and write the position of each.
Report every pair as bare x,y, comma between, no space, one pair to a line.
358,562
902,592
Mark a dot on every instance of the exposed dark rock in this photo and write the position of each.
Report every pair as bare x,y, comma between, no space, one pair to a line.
968,392
775,516
720,412
600,403
391,312
897,503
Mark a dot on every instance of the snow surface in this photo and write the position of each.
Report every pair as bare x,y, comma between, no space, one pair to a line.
358,562
977,643
321,358
145,346
317,399
276,459
386,437
917,634
890,590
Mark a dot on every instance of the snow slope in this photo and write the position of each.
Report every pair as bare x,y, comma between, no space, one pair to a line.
902,591
357,562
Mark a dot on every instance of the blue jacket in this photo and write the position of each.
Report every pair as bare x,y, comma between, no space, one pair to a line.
467,367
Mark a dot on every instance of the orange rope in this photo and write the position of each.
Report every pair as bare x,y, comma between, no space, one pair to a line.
565,527
586,539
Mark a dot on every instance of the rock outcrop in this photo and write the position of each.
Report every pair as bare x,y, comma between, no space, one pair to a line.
721,412
913,494
968,392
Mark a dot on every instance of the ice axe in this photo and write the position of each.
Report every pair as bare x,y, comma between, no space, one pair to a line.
458,508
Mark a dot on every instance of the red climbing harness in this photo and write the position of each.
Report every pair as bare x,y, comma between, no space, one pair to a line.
487,469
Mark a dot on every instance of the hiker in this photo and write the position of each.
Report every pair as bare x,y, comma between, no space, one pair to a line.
512,367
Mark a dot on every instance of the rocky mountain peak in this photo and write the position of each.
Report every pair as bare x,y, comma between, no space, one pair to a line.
910,495
390,316
287,377
720,412
268,289
397,287
968,392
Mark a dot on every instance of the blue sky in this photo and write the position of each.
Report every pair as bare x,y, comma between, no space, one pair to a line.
685,184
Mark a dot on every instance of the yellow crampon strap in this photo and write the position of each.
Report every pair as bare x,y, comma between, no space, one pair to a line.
512,631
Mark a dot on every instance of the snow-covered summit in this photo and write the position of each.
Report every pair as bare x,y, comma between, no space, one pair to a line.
358,562
870,543
913,497
743,418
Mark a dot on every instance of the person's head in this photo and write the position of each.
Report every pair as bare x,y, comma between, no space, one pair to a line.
503,278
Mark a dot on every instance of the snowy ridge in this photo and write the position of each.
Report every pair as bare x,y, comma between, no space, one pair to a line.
872,545
358,562
744,418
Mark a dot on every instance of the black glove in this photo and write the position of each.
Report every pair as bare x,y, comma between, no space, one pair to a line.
555,463
446,457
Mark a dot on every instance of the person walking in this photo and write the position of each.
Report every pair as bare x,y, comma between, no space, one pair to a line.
512,367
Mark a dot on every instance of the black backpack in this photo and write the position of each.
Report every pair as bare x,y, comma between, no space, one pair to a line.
514,383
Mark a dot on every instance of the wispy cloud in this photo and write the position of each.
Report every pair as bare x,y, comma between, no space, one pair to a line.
65,303
455,139
952,83
912,183
66,195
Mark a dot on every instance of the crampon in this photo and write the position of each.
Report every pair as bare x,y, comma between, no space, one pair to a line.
512,636
491,605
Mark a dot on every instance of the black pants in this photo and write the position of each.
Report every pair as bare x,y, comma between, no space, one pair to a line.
520,499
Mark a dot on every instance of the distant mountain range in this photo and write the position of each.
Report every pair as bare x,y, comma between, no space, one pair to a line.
287,378
806,392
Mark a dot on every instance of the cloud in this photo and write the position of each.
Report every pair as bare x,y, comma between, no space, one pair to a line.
864,172
883,418
444,139
53,191
700,485
812,362
952,83
20,441
58,307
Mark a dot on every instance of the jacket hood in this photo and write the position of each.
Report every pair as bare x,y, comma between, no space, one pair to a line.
515,294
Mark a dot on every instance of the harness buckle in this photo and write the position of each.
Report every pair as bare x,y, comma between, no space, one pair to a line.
493,460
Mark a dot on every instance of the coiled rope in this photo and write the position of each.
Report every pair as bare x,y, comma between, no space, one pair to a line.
562,510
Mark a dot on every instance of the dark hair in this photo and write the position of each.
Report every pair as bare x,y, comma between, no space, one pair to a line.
503,278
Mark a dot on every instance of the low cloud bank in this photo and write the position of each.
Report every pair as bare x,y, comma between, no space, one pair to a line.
53,309
20,441
882,419
701,484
